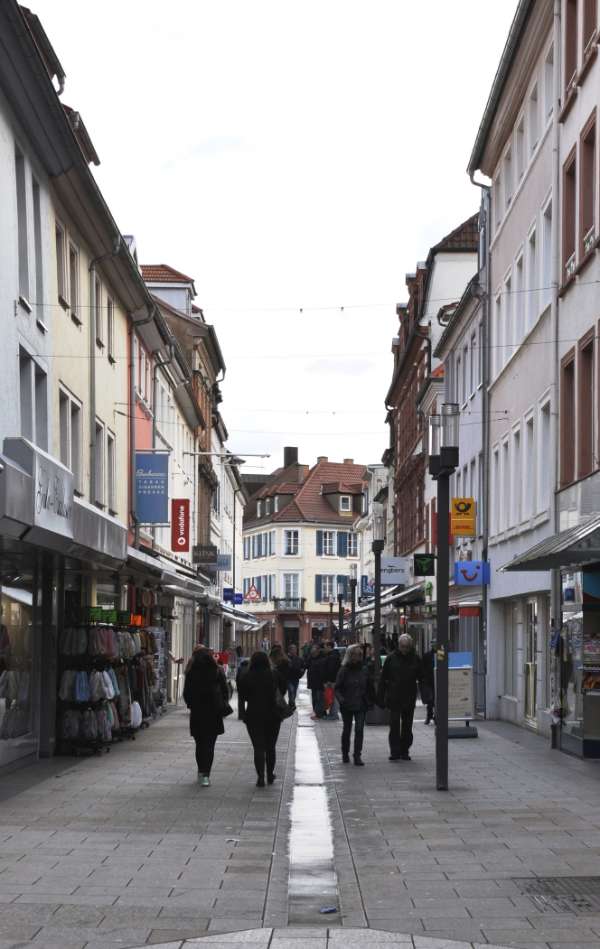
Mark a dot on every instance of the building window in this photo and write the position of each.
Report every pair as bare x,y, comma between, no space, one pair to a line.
570,42
520,148
545,457
352,544
546,277
259,508
291,586
459,395
516,492
519,302
70,435
61,265
291,538
508,178
567,419
26,394
465,373
534,120
480,354
506,485
110,329
496,492
272,543
329,543
549,83
345,503
509,333
327,587
473,363
23,243
590,17
74,282
41,408
587,187
216,500
276,504
37,243
99,464
568,222
585,407
529,480
98,312
111,472
532,280
267,505
496,336
33,400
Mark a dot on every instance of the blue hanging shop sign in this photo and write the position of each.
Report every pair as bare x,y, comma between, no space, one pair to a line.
152,487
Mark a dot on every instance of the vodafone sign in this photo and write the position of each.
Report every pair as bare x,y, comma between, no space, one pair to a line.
180,525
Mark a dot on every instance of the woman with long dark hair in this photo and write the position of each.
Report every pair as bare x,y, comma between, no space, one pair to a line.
205,694
258,690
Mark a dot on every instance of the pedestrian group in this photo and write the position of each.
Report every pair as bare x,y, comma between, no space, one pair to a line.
267,685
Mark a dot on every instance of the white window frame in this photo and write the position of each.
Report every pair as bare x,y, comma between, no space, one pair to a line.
544,454
62,286
72,454
288,542
99,462
353,545
332,536
530,462
111,471
110,329
327,581
291,596
98,311
348,507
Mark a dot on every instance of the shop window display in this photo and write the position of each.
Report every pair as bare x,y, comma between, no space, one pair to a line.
16,635
579,657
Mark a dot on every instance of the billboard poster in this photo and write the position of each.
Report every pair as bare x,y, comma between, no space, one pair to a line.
180,525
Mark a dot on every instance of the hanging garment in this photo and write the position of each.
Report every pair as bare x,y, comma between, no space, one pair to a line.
82,687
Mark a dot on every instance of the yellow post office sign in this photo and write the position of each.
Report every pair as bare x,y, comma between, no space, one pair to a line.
463,517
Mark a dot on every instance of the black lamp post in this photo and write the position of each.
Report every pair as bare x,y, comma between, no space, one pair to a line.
377,547
340,599
443,459
353,582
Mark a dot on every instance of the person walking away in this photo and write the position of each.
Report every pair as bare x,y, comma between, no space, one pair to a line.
205,694
428,683
316,681
353,692
257,688
281,667
242,669
296,667
332,667
397,691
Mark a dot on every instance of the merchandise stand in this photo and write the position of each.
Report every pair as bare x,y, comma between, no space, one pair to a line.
107,682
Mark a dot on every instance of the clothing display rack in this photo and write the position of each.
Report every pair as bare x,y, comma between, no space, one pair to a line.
106,685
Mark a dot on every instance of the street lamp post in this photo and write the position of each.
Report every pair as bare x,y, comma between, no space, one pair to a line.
353,581
377,547
331,618
340,599
443,460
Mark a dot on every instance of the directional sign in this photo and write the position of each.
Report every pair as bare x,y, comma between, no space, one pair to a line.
238,599
463,513
424,565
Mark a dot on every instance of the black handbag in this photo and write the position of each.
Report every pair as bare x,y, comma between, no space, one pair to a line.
284,709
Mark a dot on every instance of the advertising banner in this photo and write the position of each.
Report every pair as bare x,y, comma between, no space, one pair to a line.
180,525
395,570
152,487
463,517
471,573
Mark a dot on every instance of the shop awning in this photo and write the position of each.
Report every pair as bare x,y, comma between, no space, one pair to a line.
240,616
575,546
175,582
395,597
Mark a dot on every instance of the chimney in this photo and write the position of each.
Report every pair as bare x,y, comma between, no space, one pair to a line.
322,458
290,457
348,461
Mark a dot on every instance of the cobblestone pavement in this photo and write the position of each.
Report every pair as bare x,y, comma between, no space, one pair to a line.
127,850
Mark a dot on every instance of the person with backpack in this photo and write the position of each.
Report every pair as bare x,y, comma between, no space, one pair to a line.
205,694
353,690
258,690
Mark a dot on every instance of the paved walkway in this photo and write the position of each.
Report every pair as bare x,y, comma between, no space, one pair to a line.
127,850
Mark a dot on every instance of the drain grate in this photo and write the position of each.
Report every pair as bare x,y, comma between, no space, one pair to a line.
562,894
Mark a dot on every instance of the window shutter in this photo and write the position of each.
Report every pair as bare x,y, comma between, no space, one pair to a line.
319,543
343,579
318,587
257,584
272,547
342,543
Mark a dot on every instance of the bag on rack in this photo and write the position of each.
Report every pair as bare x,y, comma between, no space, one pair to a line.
136,715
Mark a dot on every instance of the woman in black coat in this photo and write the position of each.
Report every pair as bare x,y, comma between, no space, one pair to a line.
257,690
353,690
205,694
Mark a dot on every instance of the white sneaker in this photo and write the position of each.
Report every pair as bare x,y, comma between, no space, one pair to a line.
205,781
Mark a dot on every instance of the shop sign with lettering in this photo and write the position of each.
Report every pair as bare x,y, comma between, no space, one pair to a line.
53,500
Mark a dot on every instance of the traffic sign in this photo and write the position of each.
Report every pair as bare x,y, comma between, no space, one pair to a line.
252,596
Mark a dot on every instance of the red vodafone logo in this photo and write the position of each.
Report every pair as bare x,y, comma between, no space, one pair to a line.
180,525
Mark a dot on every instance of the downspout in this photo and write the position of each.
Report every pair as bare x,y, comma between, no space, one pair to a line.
555,585
484,293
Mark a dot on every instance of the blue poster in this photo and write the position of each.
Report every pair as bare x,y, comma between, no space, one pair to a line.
152,487
471,573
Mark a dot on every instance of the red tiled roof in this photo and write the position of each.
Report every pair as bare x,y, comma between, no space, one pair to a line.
162,273
310,503
342,487
463,237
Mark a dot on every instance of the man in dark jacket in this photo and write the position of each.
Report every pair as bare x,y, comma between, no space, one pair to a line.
296,671
400,676
316,680
428,683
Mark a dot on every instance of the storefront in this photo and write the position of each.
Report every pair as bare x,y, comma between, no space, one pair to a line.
573,648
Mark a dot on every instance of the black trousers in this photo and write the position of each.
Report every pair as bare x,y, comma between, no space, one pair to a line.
401,736
359,730
205,752
263,736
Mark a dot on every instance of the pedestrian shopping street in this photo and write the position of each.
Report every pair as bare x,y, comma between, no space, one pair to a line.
126,849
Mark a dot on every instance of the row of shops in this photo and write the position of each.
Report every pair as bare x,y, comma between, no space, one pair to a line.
94,633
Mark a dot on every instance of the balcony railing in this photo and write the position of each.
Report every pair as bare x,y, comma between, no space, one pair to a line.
289,604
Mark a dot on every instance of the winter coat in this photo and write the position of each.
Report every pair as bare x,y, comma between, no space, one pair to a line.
205,694
296,669
332,665
398,682
352,688
428,677
316,671
281,671
257,690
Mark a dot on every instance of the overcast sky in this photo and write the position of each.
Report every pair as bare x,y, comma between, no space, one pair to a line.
287,154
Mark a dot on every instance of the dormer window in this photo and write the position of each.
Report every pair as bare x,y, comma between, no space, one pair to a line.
268,506
345,503
259,508
276,503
